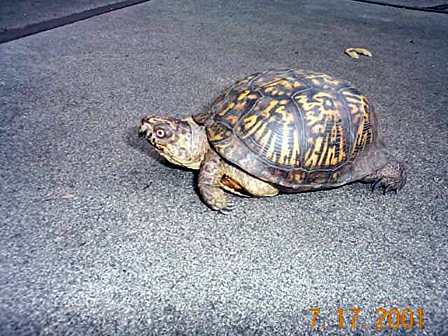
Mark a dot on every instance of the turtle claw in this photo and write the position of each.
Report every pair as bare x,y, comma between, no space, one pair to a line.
386,186
392,177
225,211
375,185
228,209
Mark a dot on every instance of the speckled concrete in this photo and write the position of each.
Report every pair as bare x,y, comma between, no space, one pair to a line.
99,236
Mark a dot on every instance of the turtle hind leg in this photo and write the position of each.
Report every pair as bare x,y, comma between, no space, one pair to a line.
210,176
391,177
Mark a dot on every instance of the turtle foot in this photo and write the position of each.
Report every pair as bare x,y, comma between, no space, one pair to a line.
392,177
216,199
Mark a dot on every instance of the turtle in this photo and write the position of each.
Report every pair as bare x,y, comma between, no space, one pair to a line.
278,131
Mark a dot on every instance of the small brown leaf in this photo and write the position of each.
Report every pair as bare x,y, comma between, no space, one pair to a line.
355,52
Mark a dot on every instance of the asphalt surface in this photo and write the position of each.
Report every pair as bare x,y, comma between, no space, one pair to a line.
100,236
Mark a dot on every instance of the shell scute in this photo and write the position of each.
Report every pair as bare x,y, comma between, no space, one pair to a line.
293,128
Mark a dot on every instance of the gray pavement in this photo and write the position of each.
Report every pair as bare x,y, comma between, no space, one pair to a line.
100,237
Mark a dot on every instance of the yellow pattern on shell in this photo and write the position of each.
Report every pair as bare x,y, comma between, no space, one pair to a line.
289,126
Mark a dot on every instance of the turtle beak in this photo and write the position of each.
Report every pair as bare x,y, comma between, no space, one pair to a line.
145,129
141,132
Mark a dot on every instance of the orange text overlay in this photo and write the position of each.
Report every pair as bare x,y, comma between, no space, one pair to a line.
393,318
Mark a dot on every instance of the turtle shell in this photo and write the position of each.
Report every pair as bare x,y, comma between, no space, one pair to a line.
293,128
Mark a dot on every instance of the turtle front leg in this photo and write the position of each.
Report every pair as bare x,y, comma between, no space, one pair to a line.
210,175
392,177
251,185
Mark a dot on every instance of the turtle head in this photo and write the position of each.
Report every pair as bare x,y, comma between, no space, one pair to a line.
180,141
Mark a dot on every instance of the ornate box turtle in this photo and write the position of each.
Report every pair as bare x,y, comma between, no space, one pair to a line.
278,131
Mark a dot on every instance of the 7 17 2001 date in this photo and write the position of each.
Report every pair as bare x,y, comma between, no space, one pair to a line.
393,318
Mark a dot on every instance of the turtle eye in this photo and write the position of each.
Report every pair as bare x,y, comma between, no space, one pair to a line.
160,133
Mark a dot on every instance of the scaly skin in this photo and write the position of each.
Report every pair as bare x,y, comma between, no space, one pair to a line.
253,186
185,143
391,177
211,175
209,183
